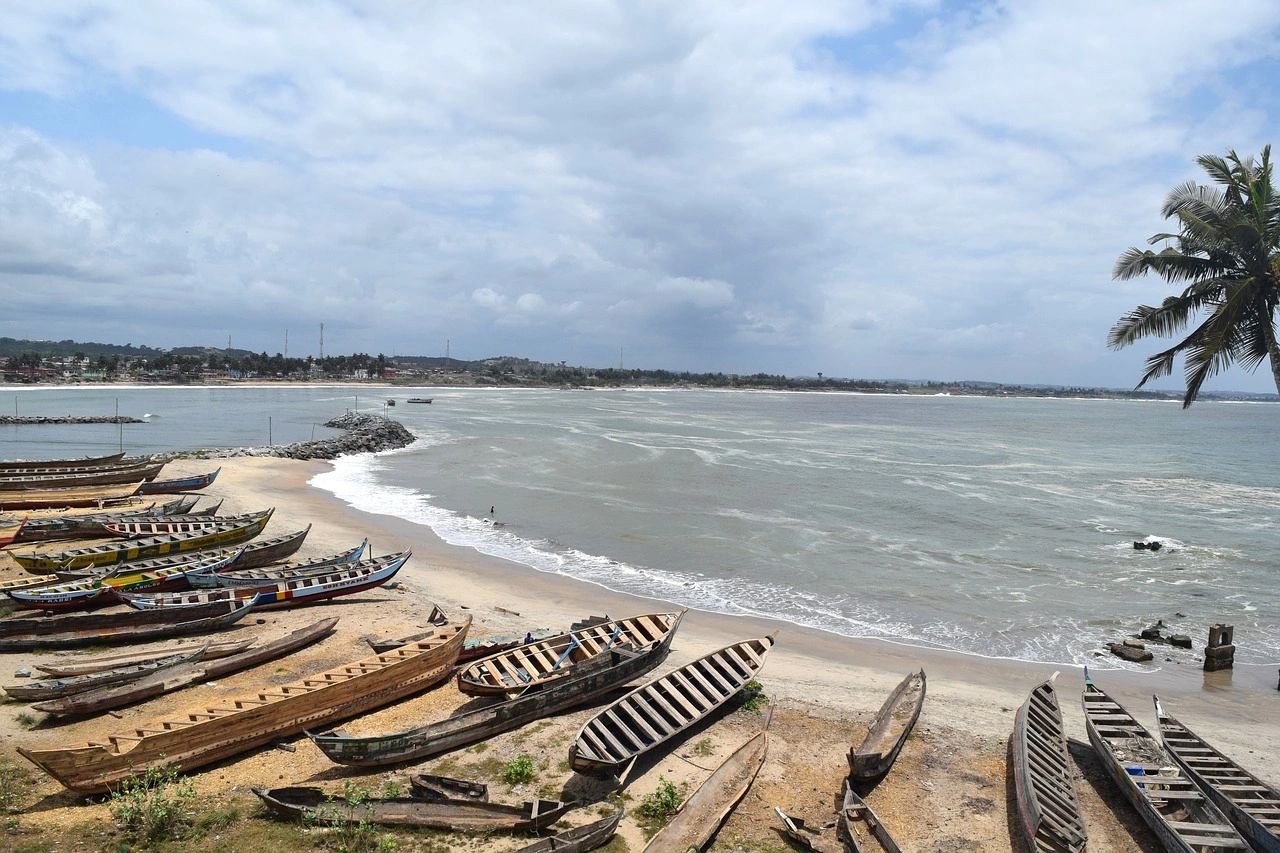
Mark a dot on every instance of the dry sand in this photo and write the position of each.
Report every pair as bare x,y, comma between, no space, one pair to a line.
948,791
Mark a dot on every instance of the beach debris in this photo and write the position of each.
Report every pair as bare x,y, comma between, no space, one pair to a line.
1130,653
505,610
1220,653
22,672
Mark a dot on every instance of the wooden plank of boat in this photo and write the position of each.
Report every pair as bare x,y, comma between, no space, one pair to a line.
235,726
181,484
36,691
10,529
616,736
1184,820
104,590
259,577
701,816
431,787
249,555
97,629
138,528
83,462
65,478
799,833
76,470
554,658
110,553
315,806
861,828
89,526
594,679
84,666
70,496
192,672
580,839
1251,804
66,513
198,561
888,732
1048,809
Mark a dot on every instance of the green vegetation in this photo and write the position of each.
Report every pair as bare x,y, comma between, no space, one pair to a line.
656,808
154,807
13,791
753,697
26,720
347,816
703,748
519,770
1225,258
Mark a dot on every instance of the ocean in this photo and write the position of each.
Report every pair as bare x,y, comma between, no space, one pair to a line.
1001,527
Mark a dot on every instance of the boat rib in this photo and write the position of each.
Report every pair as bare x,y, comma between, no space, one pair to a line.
888,732
234,726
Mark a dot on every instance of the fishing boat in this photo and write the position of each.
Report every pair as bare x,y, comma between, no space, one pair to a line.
1048,810
340,580
10,528
67,497
198,671
660,709
84,462
538,663
89,526
594,679
250,555
57,478
313,805
36,691
701,816
428,786
264,576
100,663
888,732
140,528
862,830
181,484
1171,804
418,400
98,629
105,590
235,726
111,553
798,832
580,839
1251,805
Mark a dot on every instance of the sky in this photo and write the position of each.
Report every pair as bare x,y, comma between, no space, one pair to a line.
862,188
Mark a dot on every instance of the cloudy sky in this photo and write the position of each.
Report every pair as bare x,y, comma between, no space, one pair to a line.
872,189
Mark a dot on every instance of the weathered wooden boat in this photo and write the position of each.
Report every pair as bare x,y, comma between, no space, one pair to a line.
596,678
59,478
235,726
10,529
104,590
701,816
1171,804
180,484
580,839
269,575
89,526
315,806
140,528
24,582
311,589
83,462
202,561
97,629
1048,809
67,497
799,833
554,658
659,710
83,666
247,556
1252,805
190,672
37,691
862,830
111,553
893,722
431,787
191,500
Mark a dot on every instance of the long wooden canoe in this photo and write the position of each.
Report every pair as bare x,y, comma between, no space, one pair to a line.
68,667
82,462
96,629
111,553
190,672
141,528
580,839
87,525
893,722
861,829
554,658
271,575
181,484
71,496
1048,809
235,726
10,529
253,554
1251,804
42,689
102,591
659,710
1171,804
60,478
315,806
701,816
594,679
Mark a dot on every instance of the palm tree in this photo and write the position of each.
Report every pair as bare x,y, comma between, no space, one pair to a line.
1227,254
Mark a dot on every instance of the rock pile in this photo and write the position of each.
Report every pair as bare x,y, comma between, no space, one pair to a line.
364,433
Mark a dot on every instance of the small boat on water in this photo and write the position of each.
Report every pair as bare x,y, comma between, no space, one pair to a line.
658,710
270,575
84,462
888,732
1048,809
36,691
181,484
861,829
418,400
580,839
315,806
1171,803
1252,805
98,629
83,666
65,497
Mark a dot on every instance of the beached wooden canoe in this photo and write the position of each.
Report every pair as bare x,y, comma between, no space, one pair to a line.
701,816
73,666
103,629
580,839
893,722
860,828
141,528
799,833
1171,804
660,709
61,478
594,679
315,806
111,553
10,528
1048,809
181,484
40,690
554,658
86,525
312,589
1252,805
428,786
196,671
103,591
66,497
250,555
235,726
83,462
271,575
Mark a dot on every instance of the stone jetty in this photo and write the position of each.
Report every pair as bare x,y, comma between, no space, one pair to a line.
362,433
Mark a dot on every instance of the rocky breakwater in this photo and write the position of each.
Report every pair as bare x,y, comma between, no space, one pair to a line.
362,433
11,420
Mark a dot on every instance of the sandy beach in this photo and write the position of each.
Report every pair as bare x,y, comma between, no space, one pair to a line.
948,791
